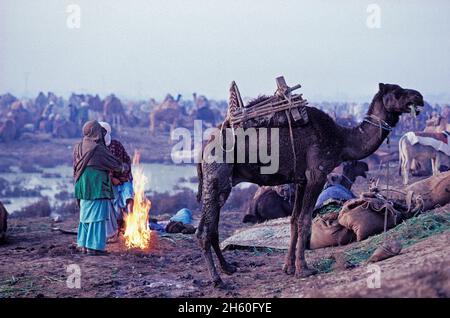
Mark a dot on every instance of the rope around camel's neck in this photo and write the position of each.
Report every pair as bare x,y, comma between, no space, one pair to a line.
364,139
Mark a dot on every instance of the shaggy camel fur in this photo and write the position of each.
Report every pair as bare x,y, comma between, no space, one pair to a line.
320,146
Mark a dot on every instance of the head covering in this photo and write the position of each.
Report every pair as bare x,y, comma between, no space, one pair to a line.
92,151
107,127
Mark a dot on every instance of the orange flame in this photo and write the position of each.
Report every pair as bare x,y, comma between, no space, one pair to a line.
137,231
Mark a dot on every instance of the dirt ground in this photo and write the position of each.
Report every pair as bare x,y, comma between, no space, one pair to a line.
34,263
35,260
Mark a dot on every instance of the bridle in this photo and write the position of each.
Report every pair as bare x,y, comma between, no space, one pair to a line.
378,122
347,179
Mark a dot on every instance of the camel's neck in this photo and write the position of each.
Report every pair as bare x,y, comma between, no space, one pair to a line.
366,138
347,181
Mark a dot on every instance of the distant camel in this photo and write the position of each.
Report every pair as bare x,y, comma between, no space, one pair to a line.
167,115
268,204
416,152
114,112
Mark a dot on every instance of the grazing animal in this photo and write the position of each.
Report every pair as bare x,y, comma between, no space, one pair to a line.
268,204
409,153
320,146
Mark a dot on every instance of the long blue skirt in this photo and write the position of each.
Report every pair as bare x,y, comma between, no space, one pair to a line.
92,227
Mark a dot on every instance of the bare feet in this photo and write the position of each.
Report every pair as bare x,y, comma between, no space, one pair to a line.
113,239
96,252
81,250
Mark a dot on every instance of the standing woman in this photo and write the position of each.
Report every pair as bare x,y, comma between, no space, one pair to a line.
92,164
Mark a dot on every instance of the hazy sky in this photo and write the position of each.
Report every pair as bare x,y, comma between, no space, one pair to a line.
143,48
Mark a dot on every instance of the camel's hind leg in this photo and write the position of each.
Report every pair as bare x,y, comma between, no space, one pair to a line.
289,264
226,267
313,187
208,229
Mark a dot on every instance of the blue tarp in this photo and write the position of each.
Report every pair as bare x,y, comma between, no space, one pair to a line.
184,216
335,192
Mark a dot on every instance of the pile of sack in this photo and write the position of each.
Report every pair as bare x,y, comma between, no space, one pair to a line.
372,212
357,220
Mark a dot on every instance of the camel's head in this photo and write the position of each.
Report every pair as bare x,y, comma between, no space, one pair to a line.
400,100
355,168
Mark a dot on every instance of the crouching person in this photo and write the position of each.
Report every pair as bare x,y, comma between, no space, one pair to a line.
92,165
122,181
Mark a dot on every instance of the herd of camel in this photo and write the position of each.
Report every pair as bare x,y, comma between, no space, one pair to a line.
68,116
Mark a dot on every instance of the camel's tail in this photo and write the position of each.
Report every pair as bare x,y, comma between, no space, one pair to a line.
200,182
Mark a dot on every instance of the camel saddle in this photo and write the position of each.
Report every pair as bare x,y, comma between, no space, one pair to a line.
280,110
441,136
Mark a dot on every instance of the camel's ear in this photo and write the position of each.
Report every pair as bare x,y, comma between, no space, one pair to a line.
382,87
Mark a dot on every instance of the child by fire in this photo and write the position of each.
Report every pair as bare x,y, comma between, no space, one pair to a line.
122,184
92,163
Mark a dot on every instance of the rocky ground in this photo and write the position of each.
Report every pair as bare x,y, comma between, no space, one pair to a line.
35,263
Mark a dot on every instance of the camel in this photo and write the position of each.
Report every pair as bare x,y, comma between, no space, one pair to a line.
419,153
6,100
436,123
268,204
8,130
166,115
41,101
113,111
320,146
95,103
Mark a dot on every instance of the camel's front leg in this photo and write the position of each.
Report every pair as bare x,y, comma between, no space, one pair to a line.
313,188
289,264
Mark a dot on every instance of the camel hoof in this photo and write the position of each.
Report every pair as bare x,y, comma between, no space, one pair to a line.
305,272
217,282
229,269
289,270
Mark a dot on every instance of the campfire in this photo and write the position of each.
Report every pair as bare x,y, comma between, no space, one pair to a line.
137,232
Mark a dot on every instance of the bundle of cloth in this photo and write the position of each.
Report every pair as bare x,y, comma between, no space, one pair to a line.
371,213
438,140
181,222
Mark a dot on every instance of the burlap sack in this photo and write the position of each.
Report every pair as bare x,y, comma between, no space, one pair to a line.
365,216
326,231
431,192
386,250
3,222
